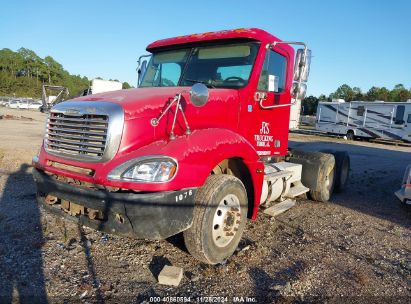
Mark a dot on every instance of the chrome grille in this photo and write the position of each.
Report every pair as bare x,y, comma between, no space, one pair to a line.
85,135
87,131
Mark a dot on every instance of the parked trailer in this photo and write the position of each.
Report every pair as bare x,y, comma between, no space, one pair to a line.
101,86
197,148
378,119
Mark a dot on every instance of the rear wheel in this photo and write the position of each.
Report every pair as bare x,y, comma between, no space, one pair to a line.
324,184
342,164
342,169
220,215
318,173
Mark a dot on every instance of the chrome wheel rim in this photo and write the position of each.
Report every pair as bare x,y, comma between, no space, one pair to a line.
226,221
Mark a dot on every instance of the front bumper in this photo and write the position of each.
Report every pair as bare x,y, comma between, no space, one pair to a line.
140,215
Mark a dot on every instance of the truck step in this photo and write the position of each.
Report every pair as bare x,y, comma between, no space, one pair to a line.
280,207
297,190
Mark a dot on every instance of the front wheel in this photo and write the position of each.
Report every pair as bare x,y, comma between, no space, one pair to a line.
220,216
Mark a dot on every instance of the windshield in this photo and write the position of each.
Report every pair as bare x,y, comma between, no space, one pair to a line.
222,66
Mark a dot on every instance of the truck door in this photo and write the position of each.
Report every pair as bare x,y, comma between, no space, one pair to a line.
268,128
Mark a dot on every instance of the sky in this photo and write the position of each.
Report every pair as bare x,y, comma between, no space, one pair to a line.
360,43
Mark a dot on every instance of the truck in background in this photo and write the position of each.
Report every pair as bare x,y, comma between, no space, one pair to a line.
377,119
101,86
197,148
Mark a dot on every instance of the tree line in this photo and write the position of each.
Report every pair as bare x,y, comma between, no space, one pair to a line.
398,94
22,74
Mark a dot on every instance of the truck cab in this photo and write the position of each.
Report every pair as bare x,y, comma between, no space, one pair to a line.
196,148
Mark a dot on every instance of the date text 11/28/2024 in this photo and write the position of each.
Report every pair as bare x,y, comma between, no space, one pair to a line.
202,299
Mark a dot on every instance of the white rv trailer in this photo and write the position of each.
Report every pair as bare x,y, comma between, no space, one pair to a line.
101,86
377,119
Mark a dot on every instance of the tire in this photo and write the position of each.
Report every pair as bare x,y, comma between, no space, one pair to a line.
350,135
342,166
318,173
220,204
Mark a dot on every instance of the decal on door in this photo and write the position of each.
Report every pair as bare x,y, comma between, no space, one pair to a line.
264,139
265,128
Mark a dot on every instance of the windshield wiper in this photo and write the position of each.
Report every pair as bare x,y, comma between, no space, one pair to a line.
200,81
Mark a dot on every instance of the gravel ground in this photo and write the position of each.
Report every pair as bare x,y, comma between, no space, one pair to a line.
354,249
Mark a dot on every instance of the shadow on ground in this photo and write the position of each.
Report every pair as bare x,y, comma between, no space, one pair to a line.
21,239
376,173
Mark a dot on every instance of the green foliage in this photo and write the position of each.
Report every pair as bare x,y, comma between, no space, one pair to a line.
309,105
126,85
322,97
23,73
397,94
344,92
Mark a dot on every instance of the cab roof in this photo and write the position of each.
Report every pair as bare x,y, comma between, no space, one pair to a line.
241,33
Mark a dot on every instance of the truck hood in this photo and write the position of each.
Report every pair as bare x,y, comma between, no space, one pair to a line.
148,102
141,105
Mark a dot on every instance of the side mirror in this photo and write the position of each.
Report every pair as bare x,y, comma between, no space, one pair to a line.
299,90
141,71
302,65
199,94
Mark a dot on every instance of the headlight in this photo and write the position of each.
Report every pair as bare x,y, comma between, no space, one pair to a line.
153,169
151,172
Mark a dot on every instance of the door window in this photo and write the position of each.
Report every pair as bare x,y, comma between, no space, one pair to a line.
274,65
399,115
360,111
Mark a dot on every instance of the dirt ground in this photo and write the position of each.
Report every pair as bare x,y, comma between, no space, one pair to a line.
354,249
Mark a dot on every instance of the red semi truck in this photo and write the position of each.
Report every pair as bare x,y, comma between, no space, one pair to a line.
196,148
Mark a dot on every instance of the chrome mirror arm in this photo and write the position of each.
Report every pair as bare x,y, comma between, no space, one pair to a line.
138,69
155,121
139,60
188,131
